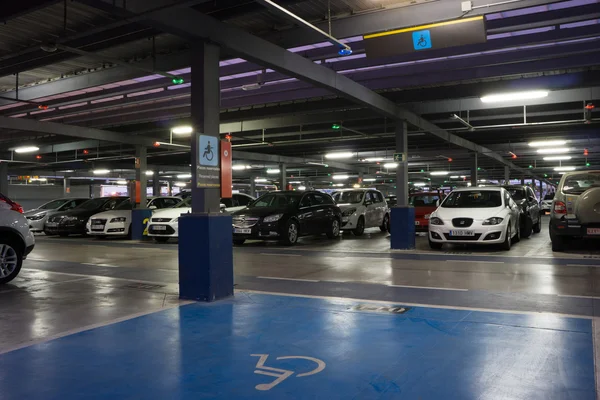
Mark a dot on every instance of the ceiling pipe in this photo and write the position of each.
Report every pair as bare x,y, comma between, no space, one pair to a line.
462,121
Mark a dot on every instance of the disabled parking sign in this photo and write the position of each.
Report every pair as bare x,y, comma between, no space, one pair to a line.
208,151
421,40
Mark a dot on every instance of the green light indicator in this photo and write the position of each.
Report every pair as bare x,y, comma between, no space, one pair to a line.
328,174
478,168
531,166
177,81
587,164
336,126
545,175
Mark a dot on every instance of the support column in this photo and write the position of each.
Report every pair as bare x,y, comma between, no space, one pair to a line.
155,184
252,186
67,186
4,178
282,176
205,235
474,170
506,175
522,181
140,215
402,223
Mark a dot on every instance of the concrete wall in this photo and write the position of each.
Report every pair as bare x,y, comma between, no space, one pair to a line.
32,196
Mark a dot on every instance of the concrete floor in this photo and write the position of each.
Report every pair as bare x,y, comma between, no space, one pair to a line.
76,284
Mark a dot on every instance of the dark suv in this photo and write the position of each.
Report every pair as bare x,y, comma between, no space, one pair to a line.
531,217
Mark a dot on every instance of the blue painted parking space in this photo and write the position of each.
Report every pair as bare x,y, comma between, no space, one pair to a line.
260,346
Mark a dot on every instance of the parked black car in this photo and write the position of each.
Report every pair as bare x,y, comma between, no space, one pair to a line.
73,222
531,217
287,215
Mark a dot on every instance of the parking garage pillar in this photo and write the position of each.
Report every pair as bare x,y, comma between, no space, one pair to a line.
140,214
205,235
474,170
252,186
402,221
66,186
155,183
282,176
506,175
4,178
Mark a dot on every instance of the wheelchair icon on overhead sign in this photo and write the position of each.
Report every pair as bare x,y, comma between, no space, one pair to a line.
208,152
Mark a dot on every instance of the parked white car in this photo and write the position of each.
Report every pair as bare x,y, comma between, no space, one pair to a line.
476,215
16,242
38,216
361,209
117,222
164,224
546,204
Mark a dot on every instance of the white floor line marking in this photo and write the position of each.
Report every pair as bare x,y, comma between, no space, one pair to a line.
583,265
578,297
477,261
281,254
286,279
595,342
93,326
428,287
101,277
353,300
36,259
102,265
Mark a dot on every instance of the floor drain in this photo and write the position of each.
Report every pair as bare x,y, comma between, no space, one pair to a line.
143,286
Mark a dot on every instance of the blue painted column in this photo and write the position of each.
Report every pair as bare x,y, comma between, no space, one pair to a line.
402,221
139,221
205,235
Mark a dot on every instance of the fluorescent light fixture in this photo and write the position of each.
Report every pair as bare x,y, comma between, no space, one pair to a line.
67,171
337,156
180,184
369,179
182,130
356,186
121,182
556,150
301,187
547,143
390,165
240,167
184,176
375,159
565,169
557,158
149,173
39,180
260,180
273,171
318,163
295,182
454,177
101,171
482,180
26,149
419,184
339,185
340,177
439,173
514,96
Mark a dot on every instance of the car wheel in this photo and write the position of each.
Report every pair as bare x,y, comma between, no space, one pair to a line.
435,245
11,259
161,239
506,245
385,227
239,242
517,237
360,227
291,233
537,227
334,229
527,228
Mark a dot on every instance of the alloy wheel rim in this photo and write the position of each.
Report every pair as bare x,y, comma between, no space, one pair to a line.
336,227
8,260
293,232
509,235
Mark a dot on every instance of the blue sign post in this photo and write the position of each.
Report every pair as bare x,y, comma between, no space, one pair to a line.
421,40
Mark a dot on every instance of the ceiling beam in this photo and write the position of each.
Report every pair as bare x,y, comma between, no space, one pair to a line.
276,159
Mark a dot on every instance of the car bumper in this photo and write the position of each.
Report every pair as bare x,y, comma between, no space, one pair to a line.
573,228
421,224
262,231
163,229
110,229
37,225
350,222
65,229
483,234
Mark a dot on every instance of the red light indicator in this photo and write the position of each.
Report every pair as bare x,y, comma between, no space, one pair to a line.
156,144
38,157
43,107
585,152
86,152
449,160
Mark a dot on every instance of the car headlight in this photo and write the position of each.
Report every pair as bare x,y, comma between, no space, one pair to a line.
273,218
493,221
436,221
69,219
119,219
348,212
175,219
427,216
36,217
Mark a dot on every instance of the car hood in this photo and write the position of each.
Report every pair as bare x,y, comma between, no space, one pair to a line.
113,214
475,213
424,210
261,211
77,213
345,206
35,211
171,212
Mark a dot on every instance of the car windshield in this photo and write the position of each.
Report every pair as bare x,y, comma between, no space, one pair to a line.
579,183
352,196
126,205
549,196
473,199
92,204
424,200
276,200
187,203
53,205
516,193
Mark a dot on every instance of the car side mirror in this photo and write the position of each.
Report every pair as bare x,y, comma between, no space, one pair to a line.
152,207
437,203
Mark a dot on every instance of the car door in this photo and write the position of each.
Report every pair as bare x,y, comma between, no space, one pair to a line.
513,211
306,215
371,210
534,205
321,206
381,207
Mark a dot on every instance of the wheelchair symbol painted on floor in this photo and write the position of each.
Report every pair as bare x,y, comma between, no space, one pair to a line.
283,374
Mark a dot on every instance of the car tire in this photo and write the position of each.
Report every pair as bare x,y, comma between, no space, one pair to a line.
385,227
517,237
527,229
239,242
159,239
435,245
12,253
507,244
334,229
559,243
360,227
537,227
291,233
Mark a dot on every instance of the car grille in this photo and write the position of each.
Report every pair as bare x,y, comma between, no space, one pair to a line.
55,219
98,221
244,222
462,222
168,231
161,219
473,238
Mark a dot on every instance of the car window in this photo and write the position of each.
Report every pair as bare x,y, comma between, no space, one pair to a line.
70,204
125,205
306,200
228,202
424,200
531,193
109,205
168,202
368,197
276,200
349,196
579,183
378,197
53,205
517,193
243,200
319,199
473,199
549,196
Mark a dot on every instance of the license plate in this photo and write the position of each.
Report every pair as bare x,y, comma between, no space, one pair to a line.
593,231
242,231
51,224
97,227
462,233
417,223
159,228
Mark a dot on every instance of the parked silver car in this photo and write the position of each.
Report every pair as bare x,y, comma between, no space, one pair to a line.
575,209
16,242
38,216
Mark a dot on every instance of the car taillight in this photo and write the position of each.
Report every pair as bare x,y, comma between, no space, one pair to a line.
560,207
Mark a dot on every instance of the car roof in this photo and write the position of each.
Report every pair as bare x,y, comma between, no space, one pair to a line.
425,193
468,189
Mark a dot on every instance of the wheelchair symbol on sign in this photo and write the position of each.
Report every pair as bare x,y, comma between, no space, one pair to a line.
282,374
208,152
422,41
